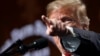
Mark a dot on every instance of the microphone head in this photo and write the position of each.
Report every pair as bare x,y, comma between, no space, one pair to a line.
38,44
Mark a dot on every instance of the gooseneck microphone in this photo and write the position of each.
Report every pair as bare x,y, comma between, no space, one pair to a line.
19,47
38,44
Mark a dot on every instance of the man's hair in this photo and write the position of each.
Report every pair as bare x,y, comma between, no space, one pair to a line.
80,12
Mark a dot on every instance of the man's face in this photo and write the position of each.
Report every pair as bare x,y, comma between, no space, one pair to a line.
65,16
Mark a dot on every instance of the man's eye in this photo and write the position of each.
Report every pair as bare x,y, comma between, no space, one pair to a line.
64,19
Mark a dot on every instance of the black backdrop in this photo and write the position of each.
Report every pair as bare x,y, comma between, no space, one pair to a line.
17,13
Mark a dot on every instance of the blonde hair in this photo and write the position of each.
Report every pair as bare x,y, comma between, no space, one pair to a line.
79,6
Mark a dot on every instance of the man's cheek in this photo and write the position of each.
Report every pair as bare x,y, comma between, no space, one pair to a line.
71,24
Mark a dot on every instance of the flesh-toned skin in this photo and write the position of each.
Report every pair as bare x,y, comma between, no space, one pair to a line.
56,22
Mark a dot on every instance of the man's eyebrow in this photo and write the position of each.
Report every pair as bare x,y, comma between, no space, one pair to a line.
67,19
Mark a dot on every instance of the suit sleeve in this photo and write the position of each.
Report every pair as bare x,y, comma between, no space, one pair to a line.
90,36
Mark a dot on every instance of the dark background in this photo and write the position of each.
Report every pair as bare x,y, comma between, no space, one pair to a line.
17,13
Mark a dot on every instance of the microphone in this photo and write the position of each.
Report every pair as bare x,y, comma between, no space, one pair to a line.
38,44
19,47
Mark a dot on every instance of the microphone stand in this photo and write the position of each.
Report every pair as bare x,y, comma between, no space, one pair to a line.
17,47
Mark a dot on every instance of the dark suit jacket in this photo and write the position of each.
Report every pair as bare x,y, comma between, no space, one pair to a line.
86,43
90,43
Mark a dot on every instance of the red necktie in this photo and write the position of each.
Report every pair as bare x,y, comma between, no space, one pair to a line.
67,54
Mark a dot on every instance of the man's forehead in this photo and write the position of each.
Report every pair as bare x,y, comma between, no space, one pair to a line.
64,11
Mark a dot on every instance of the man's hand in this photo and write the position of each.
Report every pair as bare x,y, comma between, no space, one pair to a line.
54,27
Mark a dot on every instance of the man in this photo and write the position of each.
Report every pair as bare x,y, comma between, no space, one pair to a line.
68,23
